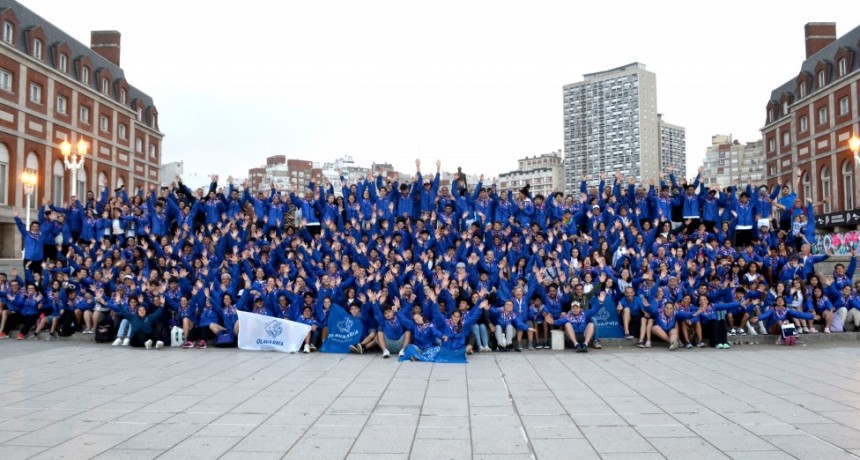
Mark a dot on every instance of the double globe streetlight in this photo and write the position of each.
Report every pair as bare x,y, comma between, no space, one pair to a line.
74,160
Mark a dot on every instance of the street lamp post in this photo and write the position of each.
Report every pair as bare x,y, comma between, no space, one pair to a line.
854,144
29,179
74,161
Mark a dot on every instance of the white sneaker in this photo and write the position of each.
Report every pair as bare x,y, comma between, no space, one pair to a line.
148,344
159,345
126,342
751,329
307,349
117,342
733,331
386,354
761,329
401,353
805,330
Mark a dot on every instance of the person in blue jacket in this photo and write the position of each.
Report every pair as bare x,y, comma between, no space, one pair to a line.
144,332
34,241
394,334
577,324
778,315
505,324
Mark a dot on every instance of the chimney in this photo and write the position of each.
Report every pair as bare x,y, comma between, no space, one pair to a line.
819,35
106,43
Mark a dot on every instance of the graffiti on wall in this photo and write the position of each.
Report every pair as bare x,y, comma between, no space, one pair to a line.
837,243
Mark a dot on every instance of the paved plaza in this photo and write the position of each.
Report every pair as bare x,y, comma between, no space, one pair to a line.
79,400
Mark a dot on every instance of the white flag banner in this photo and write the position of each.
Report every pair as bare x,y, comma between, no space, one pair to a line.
258,332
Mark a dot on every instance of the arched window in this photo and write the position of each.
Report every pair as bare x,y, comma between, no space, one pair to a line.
825,188
58,183
103,180
82,185
33,165
119,182
848,183
4,172
807,187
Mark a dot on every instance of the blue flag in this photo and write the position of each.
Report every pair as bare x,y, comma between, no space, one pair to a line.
435,355
606,322
343,330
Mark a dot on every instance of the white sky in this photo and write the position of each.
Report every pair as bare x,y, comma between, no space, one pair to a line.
476,84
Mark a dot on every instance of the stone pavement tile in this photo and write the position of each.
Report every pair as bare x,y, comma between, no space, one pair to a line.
750,418
52,414
261,405
586,419
639,419
193,418
316,448
160,437
54,434
144,417
807,447
270,438
446,388
493,411
705,417
664,431
539,406
498,440
303,419
397,410
126,429
759,455
684,448
240,455
772,429
632,405
201,447
731,438
478,398
402,398
444,406
434,449
83,446
436,427
377,457
563,448
503,457
23,424
7,435
392,419
616,439
337,426
384,440
128,454
22,452
847,418
839,435
550,427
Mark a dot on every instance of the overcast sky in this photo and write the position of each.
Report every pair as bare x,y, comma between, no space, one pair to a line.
476,84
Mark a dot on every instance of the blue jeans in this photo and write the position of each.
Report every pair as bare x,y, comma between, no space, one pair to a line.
123,329
481,336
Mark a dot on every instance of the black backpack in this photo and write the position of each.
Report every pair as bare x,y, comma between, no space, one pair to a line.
67,325
104,331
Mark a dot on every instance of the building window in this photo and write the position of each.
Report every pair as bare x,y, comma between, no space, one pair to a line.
843,106
772,170
804,123
807,186
139,114
138,145
64,63
85,75
4,172
822,115
85,114
35,93
105,87
122,131
122,96
803,89
786,139
825,187
82,183
5,80
8,33
152,152
104,123
785,108
152,121
62,104
37,48
848,184
769,115
821,79
58,182
843,67
771,145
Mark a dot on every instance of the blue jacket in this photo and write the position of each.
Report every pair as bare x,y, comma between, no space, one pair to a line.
33,242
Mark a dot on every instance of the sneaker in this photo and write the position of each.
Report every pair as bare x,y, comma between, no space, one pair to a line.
673,346
584,348
148,344
726,346
751,329
628,336
813,330
159,345
688,346
3,335
469,351
201,344
117,342
413,358
701,345
307,349
826,330
518,349
126,342
360,349
761,328
51,338
640,345
805,330
313,347
577,348
33,337
386,354
401,353
186,344
741,331
733,331
647,344
532,347
596,344
20,336
487,349
352,349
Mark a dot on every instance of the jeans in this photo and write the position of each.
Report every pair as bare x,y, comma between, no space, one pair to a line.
479,333
122,331
505,335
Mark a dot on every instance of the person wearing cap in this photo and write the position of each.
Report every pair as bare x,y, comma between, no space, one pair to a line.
577,324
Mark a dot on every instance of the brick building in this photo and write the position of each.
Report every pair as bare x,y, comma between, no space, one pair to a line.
809,121
284,173
55,88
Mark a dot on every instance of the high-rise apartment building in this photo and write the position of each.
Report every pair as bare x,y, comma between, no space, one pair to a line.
610,123
728,160
673,147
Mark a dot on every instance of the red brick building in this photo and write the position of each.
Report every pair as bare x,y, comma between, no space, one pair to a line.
809,121
54,88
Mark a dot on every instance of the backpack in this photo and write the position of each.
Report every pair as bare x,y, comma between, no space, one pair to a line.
104,331
67,325
789,334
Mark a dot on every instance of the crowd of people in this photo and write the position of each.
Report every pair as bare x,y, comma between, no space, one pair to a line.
423,264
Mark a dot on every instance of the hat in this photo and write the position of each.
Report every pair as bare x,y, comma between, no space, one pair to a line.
461,265
595,206
128,277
